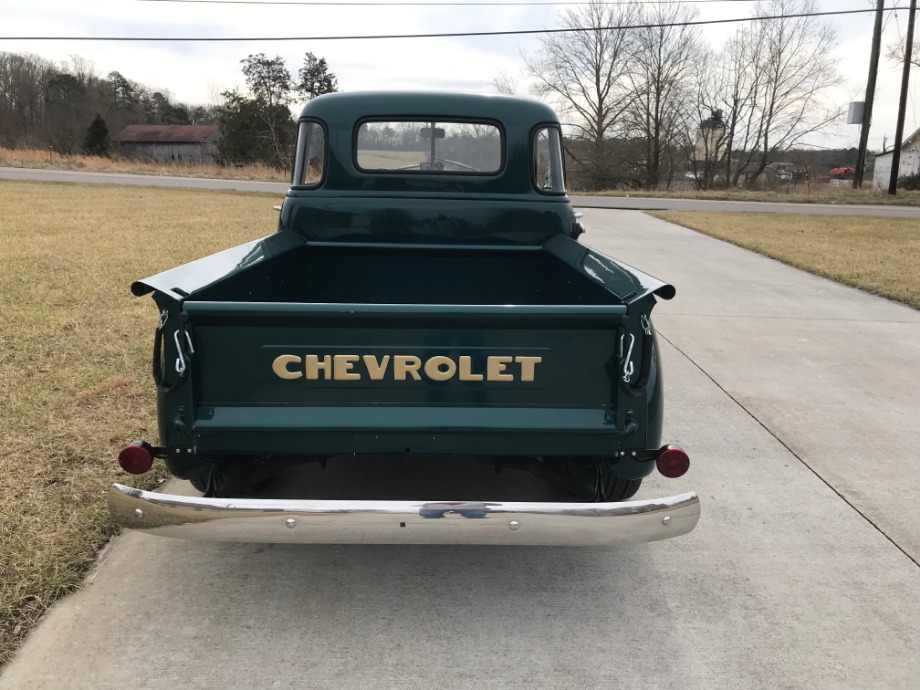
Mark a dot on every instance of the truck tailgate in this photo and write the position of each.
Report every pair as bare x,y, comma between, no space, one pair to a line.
333,378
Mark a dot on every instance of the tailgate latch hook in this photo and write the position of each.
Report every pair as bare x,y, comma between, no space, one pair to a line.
181,366
628,367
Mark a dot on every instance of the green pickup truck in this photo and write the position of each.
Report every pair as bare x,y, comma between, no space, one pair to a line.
425,297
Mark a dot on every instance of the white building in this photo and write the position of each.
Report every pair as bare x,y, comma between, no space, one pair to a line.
909,163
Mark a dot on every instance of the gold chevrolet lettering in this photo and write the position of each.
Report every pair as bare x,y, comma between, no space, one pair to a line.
528,364
403,365
498,368
342,366
466,364
376,368
440,368
280,367
495,366
313,365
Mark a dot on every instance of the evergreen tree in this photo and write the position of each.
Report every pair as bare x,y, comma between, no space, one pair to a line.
124,93
315,78
270,85
258,127
96,142
242,131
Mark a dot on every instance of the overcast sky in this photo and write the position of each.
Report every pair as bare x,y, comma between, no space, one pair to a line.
197,72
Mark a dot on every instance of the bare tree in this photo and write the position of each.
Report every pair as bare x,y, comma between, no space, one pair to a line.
794,66
704,135
23,97
666,54
82,69
505,84
67,106
586,73
214,90
739,81
895,52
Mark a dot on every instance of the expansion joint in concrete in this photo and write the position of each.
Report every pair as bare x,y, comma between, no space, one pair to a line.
790,450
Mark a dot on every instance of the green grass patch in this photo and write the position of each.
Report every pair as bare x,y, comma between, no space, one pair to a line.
880,255
75,348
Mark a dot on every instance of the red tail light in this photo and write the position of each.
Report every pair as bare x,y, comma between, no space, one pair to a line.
136,457
672,462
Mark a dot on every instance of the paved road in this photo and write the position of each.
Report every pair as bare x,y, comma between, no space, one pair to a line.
795,397
631,203
141,180
649,204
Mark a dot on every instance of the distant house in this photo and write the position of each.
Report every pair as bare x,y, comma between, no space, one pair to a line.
909,164
170,143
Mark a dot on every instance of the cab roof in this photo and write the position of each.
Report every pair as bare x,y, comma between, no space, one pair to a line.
437,104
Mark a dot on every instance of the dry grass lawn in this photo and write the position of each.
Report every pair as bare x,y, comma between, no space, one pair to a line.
33,158
74,362
388,160
880,255
818,194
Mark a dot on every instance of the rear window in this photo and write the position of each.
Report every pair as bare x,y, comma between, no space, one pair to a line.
548,166
310,161
429,146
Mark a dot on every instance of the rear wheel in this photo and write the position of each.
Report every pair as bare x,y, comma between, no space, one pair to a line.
244,477
619,489
200,482
219,483
589,479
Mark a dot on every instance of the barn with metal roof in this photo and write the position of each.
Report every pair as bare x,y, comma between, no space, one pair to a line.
188,144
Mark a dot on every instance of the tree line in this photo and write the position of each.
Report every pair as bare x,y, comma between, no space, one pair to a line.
44,104
645,105
72,108
645,99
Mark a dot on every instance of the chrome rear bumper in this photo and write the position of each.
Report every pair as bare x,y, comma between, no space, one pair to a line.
403,522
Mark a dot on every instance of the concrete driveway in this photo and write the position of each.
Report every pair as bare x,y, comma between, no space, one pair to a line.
797,401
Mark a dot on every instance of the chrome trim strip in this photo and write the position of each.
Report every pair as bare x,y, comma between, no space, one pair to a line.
403,522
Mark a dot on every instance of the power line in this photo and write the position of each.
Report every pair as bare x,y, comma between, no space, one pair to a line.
898,7
435,3
452,34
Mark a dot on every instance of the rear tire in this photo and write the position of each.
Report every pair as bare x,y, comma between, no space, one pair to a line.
619,489
200,482
244,478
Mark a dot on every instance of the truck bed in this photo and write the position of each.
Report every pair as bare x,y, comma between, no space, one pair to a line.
326,349
410,275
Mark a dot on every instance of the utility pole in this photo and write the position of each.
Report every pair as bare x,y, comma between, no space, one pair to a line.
902,107
870,95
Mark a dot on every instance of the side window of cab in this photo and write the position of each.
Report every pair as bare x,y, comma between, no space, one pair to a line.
310,161
547,164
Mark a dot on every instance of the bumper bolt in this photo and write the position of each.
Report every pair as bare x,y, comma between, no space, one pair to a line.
514,524
666,520
290,522
139,512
